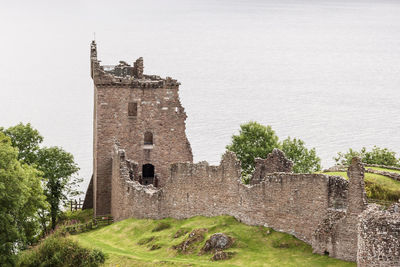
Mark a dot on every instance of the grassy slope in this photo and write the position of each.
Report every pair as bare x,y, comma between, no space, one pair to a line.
389,186
383,169
255,246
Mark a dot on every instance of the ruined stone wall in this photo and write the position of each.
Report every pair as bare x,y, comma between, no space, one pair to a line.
336,235
379,237
129,198
305,205
157,110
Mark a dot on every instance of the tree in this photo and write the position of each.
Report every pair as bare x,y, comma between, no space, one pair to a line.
59,168
380,156
305,161
254,140
26,139
57,165
21,196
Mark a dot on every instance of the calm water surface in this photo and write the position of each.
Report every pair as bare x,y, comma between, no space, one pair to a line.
324,71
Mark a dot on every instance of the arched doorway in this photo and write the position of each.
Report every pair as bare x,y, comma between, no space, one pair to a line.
148,174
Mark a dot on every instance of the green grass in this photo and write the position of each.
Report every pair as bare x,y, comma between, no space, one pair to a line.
129,243
383,169
377,186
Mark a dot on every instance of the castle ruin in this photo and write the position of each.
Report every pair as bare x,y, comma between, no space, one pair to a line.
143,168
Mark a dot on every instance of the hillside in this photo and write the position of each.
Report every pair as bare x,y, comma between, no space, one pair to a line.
379,188
144,242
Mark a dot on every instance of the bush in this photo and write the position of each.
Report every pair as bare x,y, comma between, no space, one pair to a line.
77,215
380,156
60,251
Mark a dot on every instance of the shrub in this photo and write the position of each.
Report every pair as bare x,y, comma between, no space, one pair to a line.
60,251
377,155
81,216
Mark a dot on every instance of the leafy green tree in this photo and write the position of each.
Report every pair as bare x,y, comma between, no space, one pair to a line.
26,139
57,165
21,195
305,161
59,170
254,140
380,156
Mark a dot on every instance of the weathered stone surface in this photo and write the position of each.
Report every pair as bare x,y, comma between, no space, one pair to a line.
379,237
276,161
218,241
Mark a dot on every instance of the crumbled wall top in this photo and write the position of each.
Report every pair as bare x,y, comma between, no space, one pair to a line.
124,74
276,161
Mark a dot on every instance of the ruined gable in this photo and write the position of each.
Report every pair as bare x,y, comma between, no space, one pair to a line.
276,161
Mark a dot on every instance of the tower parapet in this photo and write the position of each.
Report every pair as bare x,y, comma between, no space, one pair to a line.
124,74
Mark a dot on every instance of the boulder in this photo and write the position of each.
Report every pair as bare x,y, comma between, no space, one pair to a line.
217,242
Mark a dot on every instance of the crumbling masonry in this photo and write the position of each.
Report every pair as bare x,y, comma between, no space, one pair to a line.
153,175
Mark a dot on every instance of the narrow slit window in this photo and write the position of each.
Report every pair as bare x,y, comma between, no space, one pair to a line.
132,109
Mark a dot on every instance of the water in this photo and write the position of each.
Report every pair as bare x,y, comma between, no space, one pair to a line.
324,71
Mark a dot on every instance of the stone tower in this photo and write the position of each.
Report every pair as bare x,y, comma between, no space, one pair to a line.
143,114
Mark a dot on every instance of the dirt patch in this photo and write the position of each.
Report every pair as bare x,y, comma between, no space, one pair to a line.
222,255
187,246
